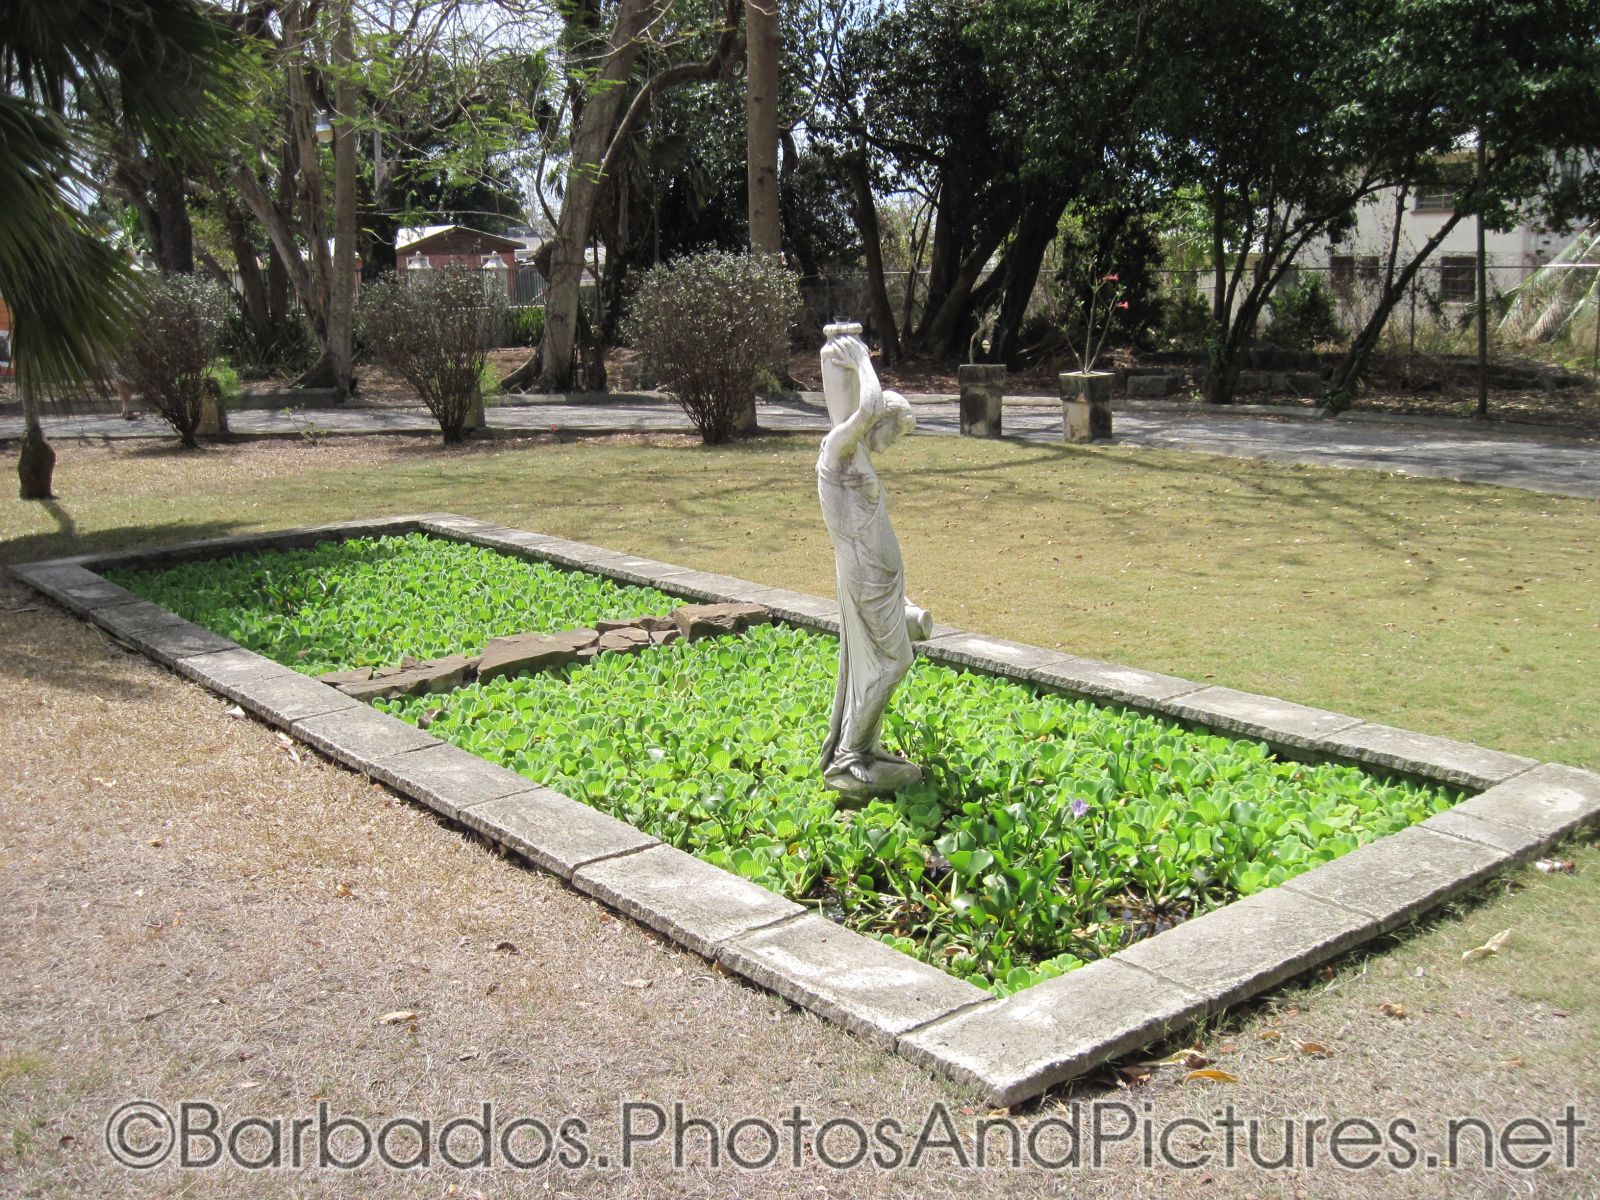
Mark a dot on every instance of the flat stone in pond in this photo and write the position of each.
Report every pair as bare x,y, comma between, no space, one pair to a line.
415,679
650,624
696,621
532,652
624,641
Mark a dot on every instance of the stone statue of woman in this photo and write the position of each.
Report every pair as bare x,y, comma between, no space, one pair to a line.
876,623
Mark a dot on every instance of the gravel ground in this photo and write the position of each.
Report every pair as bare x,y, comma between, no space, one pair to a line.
193,912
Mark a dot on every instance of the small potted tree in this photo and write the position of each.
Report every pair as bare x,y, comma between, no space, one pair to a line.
1086,393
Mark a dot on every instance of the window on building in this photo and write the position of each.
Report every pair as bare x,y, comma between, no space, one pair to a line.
1458,278
1434,200
1344,270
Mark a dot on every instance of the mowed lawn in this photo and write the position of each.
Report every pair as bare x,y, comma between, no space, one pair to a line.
1467,611
1464,611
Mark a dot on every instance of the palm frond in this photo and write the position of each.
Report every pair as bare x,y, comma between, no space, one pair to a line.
1549,301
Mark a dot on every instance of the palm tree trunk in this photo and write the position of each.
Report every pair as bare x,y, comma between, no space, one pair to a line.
36,464
761,123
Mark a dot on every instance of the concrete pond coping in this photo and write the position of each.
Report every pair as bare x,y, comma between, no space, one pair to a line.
1009,1050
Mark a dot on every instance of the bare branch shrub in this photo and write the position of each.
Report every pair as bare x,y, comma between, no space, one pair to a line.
435,329
709,325
170,346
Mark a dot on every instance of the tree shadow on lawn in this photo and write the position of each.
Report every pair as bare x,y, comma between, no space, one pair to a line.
29,652
67,541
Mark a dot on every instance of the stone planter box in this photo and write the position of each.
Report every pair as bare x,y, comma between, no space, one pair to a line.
1086,405
982,386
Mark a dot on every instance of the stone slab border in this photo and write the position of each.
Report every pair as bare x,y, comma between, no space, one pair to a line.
1008,1049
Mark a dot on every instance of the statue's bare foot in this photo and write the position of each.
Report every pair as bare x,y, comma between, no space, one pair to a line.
858,776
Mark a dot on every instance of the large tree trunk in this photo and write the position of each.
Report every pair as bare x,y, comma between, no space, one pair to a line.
1023,258
36,464
589,144
942,326
865,210
341,304
174,236
252,287
761,123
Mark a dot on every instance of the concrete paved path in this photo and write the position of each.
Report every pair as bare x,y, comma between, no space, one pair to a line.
1529,462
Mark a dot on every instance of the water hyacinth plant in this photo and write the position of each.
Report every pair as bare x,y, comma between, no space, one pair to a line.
1047,833
373,601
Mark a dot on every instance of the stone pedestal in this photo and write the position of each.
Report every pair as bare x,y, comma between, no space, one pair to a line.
1086,405
982,385
746,423
475,418
213,416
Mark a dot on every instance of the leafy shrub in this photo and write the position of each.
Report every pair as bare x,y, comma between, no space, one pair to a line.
167,359
287,351
372,601
708,324
525,325
1303,315
435,329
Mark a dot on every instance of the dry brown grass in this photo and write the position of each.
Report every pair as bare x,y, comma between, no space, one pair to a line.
171,890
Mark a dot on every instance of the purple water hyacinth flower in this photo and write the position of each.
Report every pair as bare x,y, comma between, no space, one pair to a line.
1079,806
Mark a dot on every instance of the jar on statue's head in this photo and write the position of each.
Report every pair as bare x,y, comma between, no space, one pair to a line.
841,384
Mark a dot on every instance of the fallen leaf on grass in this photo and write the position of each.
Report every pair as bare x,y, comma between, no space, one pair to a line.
507,948
1392,1010
1556,866
637,984
342,892
1270,1035
234,711
1513,1063
287,742
402,1016
1492,946
1314,1050
1213,1074
156,842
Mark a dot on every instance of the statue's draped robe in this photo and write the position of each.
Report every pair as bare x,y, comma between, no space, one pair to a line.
873,639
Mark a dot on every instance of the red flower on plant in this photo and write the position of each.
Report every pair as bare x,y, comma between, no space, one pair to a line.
1122,304
1111,279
